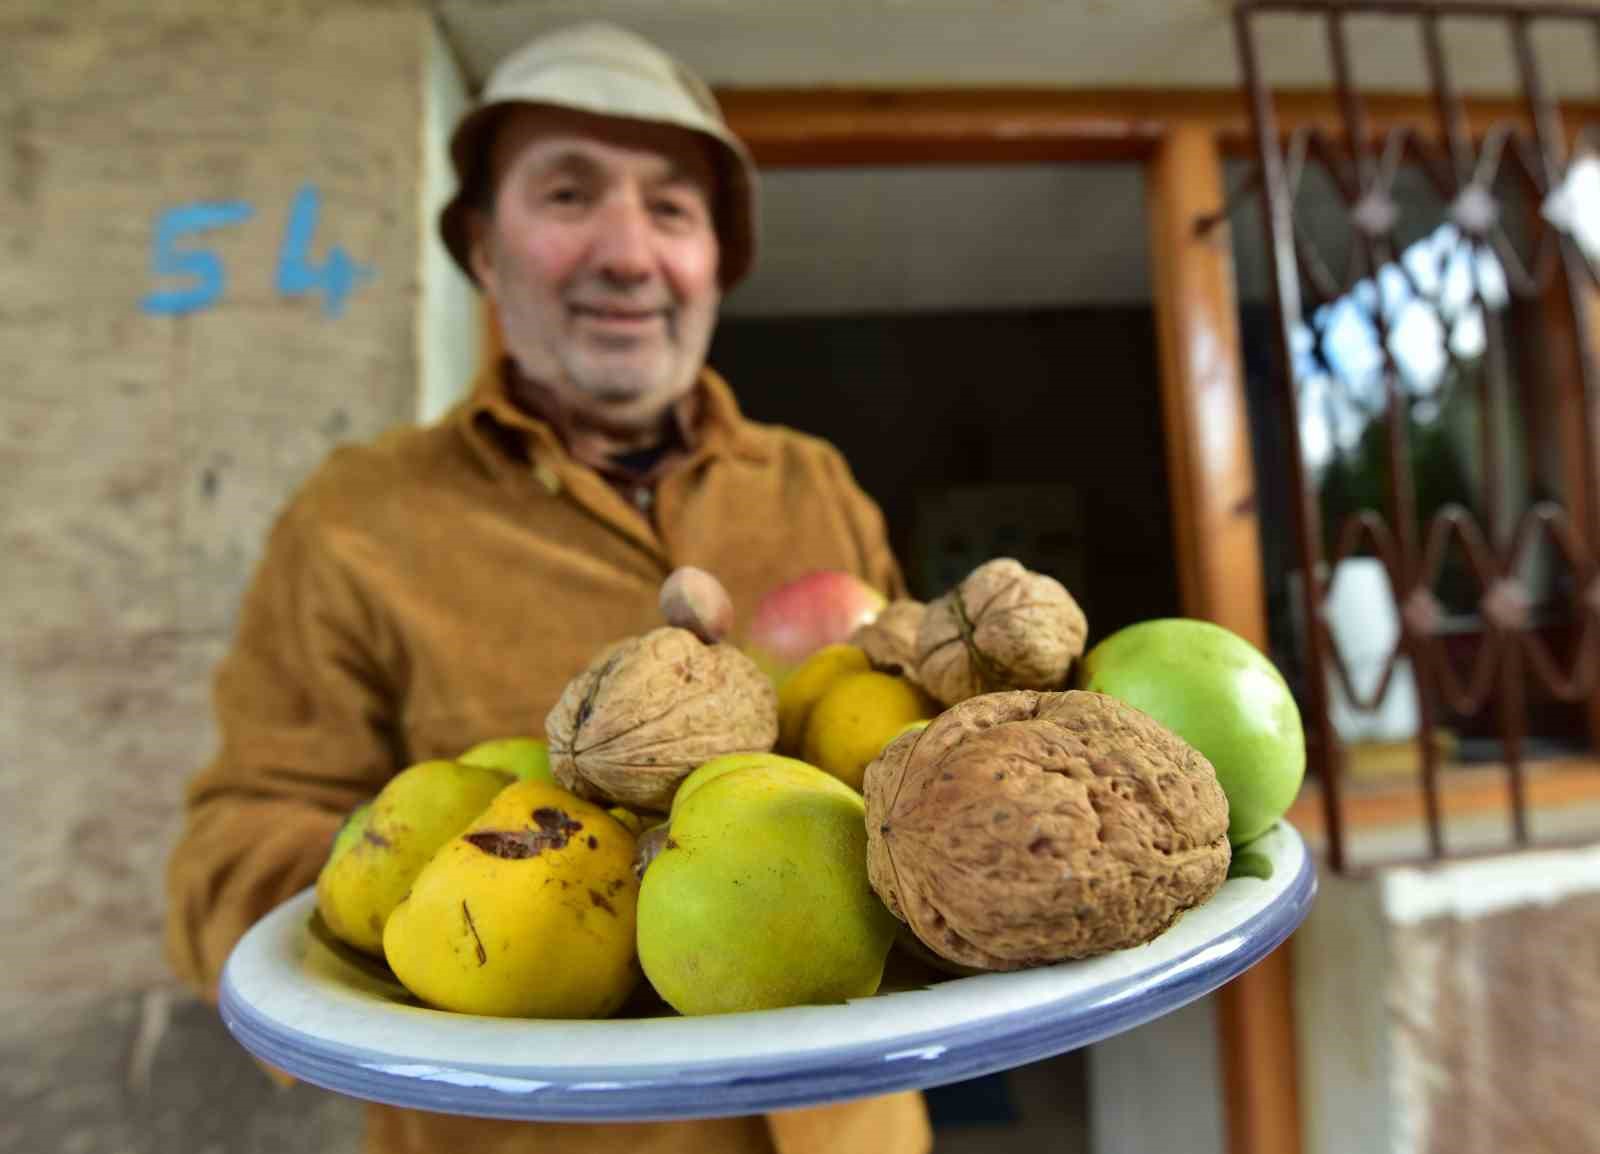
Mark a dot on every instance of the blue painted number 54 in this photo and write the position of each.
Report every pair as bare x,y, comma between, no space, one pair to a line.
297,273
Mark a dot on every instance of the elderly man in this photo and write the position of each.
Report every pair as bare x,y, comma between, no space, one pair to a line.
440,586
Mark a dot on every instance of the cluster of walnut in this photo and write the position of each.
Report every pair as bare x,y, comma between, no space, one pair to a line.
650,709
1022,828
1028,823
1003,627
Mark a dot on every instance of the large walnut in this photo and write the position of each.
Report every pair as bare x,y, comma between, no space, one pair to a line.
652,708
890,639
1023,828
1004,627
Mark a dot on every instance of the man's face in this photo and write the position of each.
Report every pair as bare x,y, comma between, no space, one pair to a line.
600,258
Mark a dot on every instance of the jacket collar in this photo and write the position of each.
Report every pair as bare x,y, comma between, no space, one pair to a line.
509,438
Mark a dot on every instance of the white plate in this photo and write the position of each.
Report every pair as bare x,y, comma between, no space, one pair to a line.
309,1010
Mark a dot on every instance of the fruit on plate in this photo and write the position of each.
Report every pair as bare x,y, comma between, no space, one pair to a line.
1220,694
385,844
857,717
836,711
529,912
527,758
890,639
758,896
1003,627
351,832
649,709
694,599
1024,828
912,727
716,767
799,617
806,686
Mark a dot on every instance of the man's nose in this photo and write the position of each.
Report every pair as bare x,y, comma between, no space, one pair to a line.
623,245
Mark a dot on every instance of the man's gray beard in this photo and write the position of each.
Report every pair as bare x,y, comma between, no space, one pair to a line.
608,393
611,406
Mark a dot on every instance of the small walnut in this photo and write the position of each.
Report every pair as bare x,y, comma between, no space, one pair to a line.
649,710
695,600
1004,627
890,641
1024,828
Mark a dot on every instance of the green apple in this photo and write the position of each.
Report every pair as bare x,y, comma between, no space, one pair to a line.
527,757
759,898
1220,694
727,763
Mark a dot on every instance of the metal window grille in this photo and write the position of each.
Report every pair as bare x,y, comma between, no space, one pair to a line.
1473,266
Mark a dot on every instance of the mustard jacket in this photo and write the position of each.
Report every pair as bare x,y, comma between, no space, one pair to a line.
439,587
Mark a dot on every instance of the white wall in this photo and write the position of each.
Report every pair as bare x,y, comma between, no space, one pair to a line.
448,326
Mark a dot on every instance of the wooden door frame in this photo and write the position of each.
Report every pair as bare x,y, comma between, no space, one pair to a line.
837,128
1181,138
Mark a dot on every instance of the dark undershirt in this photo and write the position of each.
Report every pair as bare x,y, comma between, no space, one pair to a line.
640,462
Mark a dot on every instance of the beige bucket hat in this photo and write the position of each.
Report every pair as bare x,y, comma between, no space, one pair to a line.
605,70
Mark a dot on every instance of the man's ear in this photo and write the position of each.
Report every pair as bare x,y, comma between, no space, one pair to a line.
479,226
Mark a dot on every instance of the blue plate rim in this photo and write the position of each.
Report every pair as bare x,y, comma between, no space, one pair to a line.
752,1086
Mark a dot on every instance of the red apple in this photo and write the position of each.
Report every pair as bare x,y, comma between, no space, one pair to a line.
796,619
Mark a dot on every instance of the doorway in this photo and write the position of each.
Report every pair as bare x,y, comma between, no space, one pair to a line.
979,342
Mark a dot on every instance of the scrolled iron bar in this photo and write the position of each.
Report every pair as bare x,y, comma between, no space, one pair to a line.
1511,645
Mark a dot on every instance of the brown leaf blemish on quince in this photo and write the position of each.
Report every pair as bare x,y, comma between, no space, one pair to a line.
556,828
483,955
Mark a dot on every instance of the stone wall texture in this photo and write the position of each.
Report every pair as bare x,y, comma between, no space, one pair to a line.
1496,1030
143,456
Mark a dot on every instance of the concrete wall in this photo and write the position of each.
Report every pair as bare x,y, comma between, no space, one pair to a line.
1453,1008
144,454
1038,43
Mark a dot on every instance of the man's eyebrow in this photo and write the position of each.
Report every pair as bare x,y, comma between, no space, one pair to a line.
677,172
570,162
575,162
581,164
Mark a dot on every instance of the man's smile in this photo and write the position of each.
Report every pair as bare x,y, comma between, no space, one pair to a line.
617,318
